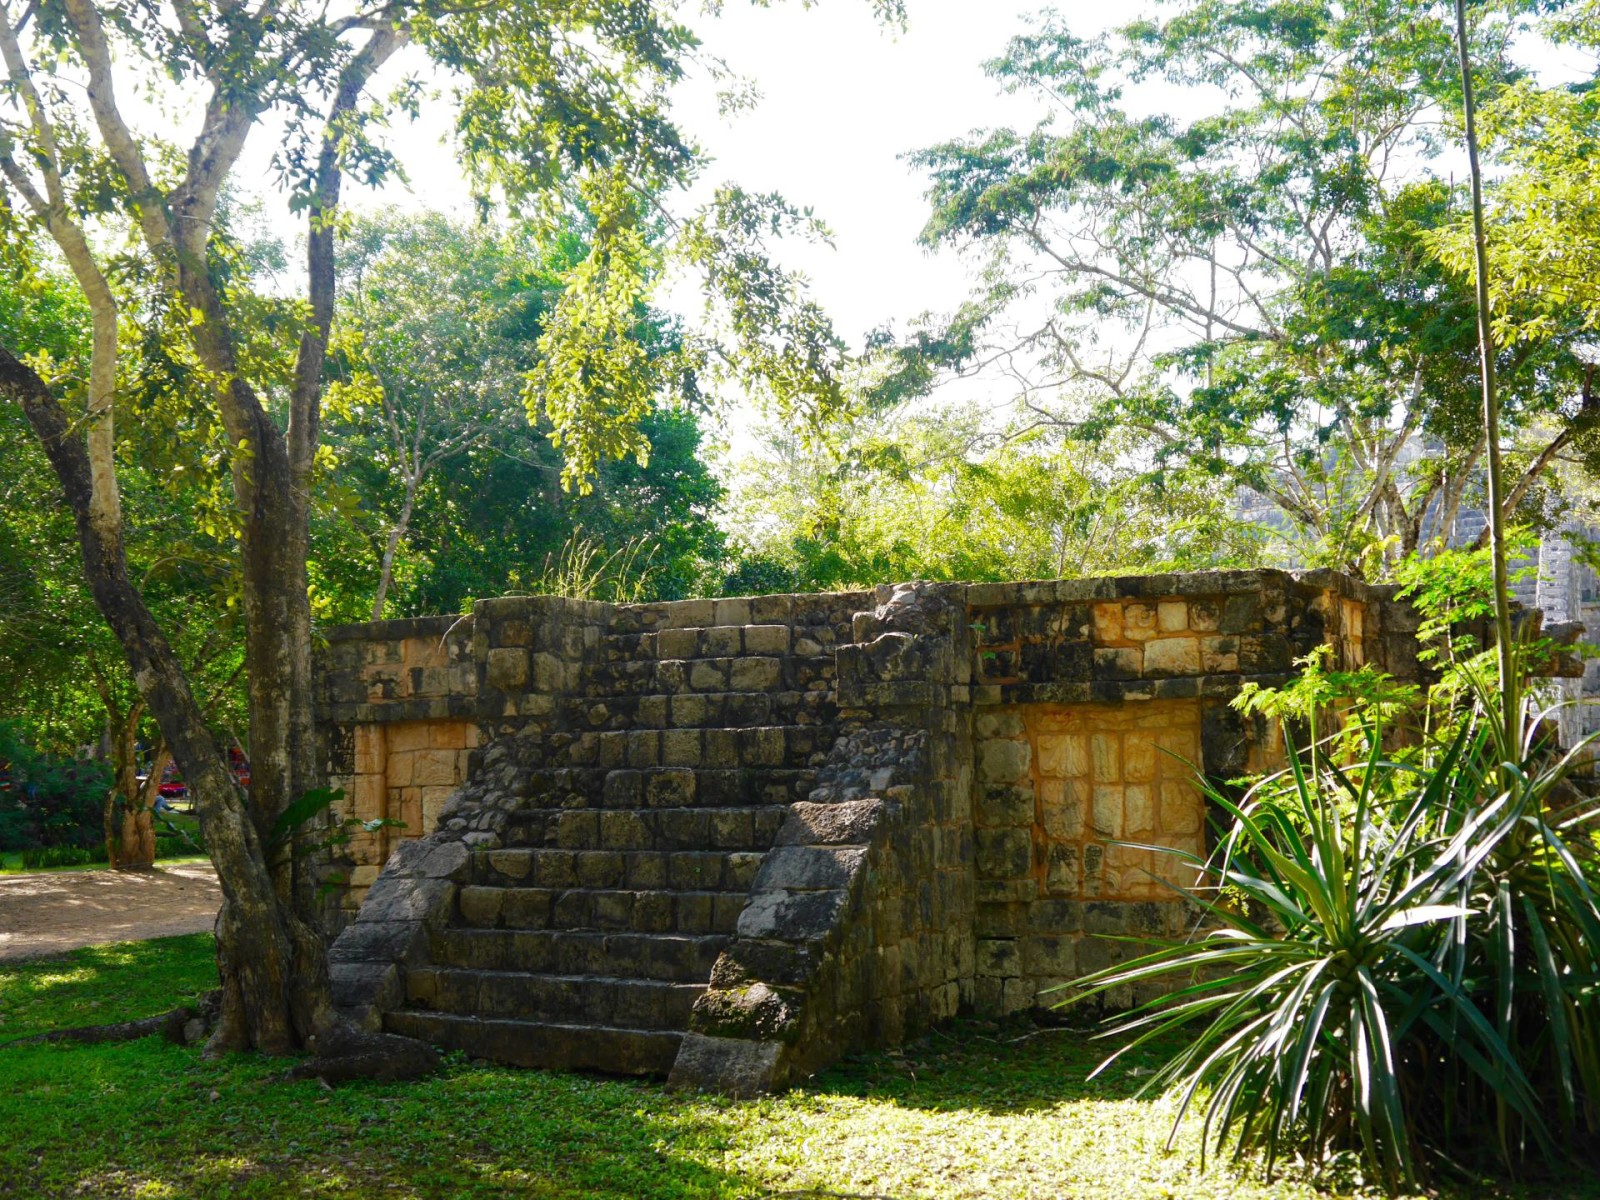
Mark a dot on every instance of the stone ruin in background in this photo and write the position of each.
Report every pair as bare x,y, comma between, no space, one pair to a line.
730,840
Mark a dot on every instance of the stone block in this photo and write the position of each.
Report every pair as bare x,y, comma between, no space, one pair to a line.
507,668
766,639
1006,805
720,641
621,830
762,747
1182,810
644,748
1138,810
1240,614
480,906
1118,662
721,748
810,868
1061,804
431,859
677,643
708,675
393,898
1219,654
998,725
1172,616
685,613
513,864
1171,656
680,747
998,957
377,941
1003,761
1105,758
688,710
577,830
1050,956
671,788
1205,616
794,917
738,1067
434,768
851,822
731,610
1000,918
1004,853
755,674
1139,757
623,789
1105,813
1063,869
406,736
1138,622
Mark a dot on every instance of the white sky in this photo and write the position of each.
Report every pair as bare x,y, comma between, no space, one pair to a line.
842,98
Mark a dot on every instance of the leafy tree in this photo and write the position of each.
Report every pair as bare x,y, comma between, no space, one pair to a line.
549,97
1247,278
939,496
441,326
64,679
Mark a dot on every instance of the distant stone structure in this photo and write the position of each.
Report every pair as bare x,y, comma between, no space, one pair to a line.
728,841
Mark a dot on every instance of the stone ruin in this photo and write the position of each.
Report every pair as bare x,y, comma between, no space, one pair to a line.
727,841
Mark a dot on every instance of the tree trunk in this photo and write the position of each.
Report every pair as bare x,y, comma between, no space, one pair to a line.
270,1002
392,546
136,839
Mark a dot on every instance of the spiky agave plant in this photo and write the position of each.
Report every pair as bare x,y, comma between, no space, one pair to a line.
1321,975
1529,943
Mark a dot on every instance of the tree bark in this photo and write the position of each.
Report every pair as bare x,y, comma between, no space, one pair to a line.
392,545
256,950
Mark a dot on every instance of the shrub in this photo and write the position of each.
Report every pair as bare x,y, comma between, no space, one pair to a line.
1401,957
48,800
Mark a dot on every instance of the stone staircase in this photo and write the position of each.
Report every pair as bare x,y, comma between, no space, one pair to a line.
582,937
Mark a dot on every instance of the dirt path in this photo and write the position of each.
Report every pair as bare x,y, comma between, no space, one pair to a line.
57,911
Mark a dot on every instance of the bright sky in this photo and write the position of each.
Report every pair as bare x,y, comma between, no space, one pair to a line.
842,98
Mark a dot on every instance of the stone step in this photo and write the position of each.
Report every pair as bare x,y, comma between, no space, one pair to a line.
805,707
691,870
751,828
543,1044
715,741
678,958
710,641
608,1000
664,787
602,909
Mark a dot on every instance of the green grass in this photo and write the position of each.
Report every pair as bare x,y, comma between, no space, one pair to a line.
984,1111
11,864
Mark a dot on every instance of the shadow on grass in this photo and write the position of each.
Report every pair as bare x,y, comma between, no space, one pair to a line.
98,984
998,1067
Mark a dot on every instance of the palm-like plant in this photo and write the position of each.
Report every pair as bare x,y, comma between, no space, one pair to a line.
1396,957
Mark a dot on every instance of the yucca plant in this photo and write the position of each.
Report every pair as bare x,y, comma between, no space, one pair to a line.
1318,969
1397,957
1529,944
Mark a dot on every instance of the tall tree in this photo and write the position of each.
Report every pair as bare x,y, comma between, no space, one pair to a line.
1247,278
549,96
441,325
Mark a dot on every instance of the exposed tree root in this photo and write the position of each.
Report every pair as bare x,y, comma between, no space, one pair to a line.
182,1026
344,1053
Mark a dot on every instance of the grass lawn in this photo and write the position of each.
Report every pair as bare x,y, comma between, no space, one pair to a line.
983,1111
11,864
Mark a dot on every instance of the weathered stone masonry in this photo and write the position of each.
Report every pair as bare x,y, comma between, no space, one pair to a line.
730,840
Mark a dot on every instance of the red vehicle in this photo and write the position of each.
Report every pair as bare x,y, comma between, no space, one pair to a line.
172,785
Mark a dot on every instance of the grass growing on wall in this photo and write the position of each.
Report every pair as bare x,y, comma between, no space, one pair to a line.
987,1110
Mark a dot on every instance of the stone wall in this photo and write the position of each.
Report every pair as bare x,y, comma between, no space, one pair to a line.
399,721
733,839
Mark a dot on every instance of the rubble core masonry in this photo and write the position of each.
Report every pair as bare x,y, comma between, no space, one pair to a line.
729,840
